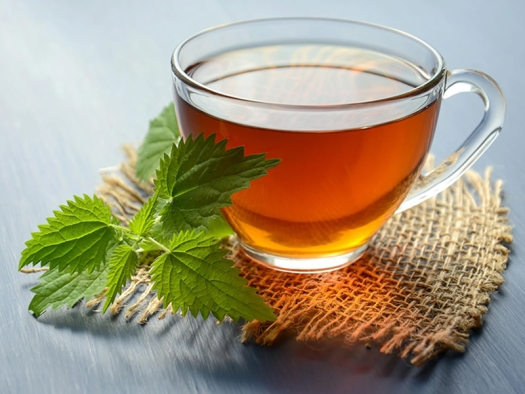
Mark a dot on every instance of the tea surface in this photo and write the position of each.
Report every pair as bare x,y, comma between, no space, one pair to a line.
307,75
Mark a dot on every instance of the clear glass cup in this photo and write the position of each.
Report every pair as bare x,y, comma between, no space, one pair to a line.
349,107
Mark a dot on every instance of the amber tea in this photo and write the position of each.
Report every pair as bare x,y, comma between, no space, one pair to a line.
349,107
335,186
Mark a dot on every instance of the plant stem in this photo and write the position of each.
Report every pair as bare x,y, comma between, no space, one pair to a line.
161,247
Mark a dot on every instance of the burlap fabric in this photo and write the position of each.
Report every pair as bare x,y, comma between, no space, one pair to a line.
423,284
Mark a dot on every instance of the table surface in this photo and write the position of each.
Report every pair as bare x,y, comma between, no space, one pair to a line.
79,79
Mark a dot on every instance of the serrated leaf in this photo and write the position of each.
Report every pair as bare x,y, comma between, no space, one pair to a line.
162,134
122,265
144,220
198,179
76,238
195,276
57,288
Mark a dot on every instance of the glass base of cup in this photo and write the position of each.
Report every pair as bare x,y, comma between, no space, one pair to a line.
304,265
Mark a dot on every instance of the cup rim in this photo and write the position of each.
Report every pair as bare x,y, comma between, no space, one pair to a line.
434,80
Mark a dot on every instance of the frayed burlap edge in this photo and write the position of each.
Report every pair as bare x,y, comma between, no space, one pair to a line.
421,288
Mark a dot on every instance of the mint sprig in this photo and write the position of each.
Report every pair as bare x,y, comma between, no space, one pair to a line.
88,251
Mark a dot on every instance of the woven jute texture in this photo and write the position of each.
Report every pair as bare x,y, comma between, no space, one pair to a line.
420,289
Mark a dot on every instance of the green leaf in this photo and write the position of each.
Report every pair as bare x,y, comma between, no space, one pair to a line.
162,134
76,238
220,228
122,265
62,288
144,220
198,179
195,276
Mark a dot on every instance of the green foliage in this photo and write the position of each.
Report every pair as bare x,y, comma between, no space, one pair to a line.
144,220
87,250
198,179
195,276
220,228
76,238
162,134
58,288
122,265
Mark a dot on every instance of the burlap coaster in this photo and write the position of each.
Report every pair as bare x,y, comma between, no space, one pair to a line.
423,284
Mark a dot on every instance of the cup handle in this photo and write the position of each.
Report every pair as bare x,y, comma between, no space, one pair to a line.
444,175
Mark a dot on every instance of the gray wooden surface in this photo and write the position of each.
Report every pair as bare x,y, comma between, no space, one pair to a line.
80,78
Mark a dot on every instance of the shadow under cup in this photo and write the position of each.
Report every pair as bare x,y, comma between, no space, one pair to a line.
350,109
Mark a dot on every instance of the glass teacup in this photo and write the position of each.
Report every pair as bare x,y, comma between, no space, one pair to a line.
350,108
